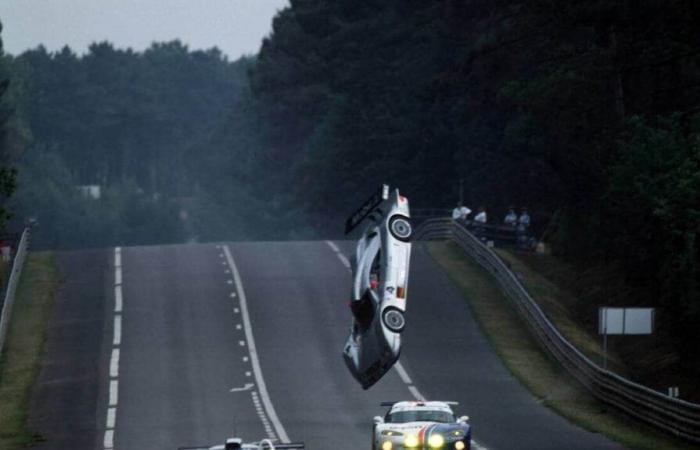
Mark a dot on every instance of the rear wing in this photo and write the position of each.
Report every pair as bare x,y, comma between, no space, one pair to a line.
418,401
367,208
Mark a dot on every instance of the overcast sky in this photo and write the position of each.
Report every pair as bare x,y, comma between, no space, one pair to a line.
235,26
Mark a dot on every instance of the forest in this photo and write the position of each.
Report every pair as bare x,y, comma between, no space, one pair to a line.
588,113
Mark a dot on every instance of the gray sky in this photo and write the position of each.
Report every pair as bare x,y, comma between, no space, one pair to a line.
235,26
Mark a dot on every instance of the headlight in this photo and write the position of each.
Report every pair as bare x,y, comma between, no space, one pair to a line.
436,441
410,441
459,445
391,433
386,445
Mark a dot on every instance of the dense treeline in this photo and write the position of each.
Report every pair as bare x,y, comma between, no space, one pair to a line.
585,111
166,134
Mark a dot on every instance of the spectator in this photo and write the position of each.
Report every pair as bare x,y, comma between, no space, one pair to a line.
480,223
521,231
511,219
460,213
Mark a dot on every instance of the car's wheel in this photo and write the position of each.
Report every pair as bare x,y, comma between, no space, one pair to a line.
393,319
400,227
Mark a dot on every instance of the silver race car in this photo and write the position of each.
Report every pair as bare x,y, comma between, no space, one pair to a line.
379,283
421,425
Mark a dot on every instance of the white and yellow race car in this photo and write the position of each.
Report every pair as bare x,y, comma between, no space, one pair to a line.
413,425
379,285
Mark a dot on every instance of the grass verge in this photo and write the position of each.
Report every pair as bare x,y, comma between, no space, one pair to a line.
24,348
523,357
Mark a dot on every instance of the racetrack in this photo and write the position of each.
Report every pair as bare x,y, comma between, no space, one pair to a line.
185,343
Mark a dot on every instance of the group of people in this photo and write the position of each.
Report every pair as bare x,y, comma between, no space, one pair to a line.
519,223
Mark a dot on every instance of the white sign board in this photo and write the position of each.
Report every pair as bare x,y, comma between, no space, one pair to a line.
625,320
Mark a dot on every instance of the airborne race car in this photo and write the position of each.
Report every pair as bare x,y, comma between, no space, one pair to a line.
421,425
379,283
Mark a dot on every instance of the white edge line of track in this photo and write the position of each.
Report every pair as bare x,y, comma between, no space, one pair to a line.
252,349
398,366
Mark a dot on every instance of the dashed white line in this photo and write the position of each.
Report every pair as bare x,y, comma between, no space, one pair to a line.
109,439
117,330
241,343
118,298
239,326
252,350
113,392
111,417
245,359
117,275
114,363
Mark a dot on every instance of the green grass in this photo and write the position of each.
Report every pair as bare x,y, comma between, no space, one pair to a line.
24,348
537,371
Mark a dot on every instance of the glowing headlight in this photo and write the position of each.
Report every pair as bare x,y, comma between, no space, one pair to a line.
391,433
436,441
386,445
459,445
410,441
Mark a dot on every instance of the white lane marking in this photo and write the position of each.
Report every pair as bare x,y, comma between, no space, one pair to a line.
229,281
233,295
252,350
118,299
113,392
236,310
227,271
111,417
245,359
263,417
339,254
117,330
239,326
114,363
402,373
241,343
248,374
109,439
246,387
416,393
332,245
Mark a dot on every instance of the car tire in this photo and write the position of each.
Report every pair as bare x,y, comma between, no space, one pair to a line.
400,227
394,319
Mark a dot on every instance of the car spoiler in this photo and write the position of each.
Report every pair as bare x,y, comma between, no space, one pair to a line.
421,401
367,208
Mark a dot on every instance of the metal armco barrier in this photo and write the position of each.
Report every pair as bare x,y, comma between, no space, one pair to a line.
673,415
12,283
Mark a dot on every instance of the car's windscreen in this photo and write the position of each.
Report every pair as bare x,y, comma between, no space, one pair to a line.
420,416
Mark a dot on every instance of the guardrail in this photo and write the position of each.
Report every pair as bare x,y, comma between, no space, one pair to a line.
673,415
13,281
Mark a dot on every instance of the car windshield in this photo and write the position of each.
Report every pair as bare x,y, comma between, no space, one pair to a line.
420,416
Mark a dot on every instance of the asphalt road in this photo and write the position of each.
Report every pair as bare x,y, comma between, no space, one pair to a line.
192,329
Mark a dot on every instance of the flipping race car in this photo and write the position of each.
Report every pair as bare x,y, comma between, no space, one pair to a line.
238,444
421,425
379,284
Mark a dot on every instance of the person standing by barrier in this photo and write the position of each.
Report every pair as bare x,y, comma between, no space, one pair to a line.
522,229
460,214
511,219
480,223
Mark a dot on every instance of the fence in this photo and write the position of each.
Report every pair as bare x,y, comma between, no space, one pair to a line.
13,281
673,415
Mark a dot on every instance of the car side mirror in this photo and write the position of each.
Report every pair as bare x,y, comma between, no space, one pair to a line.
463,419
378,420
